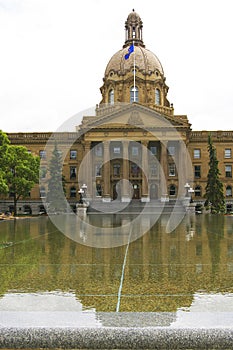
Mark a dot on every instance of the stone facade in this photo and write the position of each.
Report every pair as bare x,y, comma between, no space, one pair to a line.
134,147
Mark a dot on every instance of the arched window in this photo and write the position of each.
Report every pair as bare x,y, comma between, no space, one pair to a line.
197,191
229,191
72,192
111,97
157,97
172,190
133,94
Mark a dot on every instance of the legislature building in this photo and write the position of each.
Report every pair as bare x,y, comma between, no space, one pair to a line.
134,147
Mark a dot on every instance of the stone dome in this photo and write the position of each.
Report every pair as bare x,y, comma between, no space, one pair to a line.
145,61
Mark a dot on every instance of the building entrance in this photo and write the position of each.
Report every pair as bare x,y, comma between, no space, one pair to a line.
153,191
136,191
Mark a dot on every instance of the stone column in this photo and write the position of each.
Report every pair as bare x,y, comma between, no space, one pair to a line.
106,172
145,197
87,173
182,168
125,195
163,172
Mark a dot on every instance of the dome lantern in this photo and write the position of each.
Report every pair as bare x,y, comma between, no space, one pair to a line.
133,30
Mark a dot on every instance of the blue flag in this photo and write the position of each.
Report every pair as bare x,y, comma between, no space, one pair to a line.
130,50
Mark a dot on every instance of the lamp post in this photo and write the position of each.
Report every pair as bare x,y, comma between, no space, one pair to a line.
81,192
191,191
84,188
187,187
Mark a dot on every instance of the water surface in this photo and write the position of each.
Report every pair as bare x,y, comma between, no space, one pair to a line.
189,270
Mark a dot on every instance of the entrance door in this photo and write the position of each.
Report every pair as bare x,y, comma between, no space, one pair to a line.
153,191
136,191
116,191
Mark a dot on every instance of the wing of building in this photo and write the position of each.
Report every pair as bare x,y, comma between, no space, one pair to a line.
135,147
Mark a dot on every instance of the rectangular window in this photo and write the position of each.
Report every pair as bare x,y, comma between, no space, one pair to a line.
172,169
196,153
228,170
116,150
98,170
228,153
153,150
153,170
116,169
135,151
72,172
197,171
171,150
99,150
42,154
43,172
73,154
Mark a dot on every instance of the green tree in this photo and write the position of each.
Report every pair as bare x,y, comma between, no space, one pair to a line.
4,143
19,170
56,184
214,189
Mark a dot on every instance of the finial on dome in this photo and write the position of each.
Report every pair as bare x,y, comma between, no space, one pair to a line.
133,30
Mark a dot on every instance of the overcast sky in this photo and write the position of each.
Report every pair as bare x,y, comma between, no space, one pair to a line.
54,54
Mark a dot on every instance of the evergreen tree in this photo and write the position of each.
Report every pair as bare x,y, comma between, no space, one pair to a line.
56,184
214,188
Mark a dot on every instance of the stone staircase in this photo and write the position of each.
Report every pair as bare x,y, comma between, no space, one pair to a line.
136,206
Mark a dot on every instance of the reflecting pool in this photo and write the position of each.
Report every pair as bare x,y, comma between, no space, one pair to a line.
187,270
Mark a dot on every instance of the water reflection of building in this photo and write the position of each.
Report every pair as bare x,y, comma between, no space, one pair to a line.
163,271
145,121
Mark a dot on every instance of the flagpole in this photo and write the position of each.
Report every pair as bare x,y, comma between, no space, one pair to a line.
134,77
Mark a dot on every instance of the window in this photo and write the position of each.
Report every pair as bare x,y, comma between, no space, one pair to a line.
153,150
99,150
116,150
197,191
42,192
229,191
228,153
197,171
197,154
72,172
98,190
42,154
135,151
111,97
133,94
172,169
135,170
73,154
157,97
153,170
98,169
73,192
116,169
228,170
172,190
171,150
43,172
